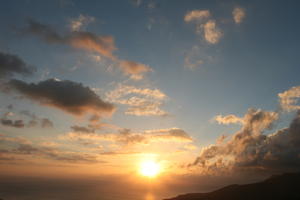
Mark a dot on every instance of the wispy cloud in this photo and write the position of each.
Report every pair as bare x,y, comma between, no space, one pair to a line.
81,22
101,44
17,148
127,137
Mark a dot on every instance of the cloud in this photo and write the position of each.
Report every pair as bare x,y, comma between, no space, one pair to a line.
238,14
196,15
82,129
127,137
212,34
228,119
289,98
68,96
134,69
204,25
46,123
103,45
193,58
81,22
12,123
22,146
11,64
141,101
250,150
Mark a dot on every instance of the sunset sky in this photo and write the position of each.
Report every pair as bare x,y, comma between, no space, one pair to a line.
199,87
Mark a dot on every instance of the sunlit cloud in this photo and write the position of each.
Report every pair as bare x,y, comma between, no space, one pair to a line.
289,98
212,34
141,101
101,44
134,69
196,15
127,137
249,148
204,25
238,14
228,119
21,149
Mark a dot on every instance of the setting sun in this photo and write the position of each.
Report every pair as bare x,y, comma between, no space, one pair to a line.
149,168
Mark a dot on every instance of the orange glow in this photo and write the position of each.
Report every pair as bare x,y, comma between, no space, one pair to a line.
149,168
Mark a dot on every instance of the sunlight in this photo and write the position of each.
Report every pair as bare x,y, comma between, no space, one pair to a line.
149,168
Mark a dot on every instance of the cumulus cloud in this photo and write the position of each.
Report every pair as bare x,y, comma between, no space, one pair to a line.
101,44
196,15
238,14
212,34
141,101
11,64
68,96
289,98
228,119
81,22
249,149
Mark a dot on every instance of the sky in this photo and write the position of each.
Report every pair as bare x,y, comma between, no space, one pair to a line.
203,88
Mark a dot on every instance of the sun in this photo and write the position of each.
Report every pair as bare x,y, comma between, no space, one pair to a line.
149,168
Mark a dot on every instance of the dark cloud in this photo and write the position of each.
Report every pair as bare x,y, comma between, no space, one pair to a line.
46,123
69,96
35,121
11,64
12,123
103,45
250,149
82,129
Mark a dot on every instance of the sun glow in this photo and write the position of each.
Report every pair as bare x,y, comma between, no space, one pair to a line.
149,168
